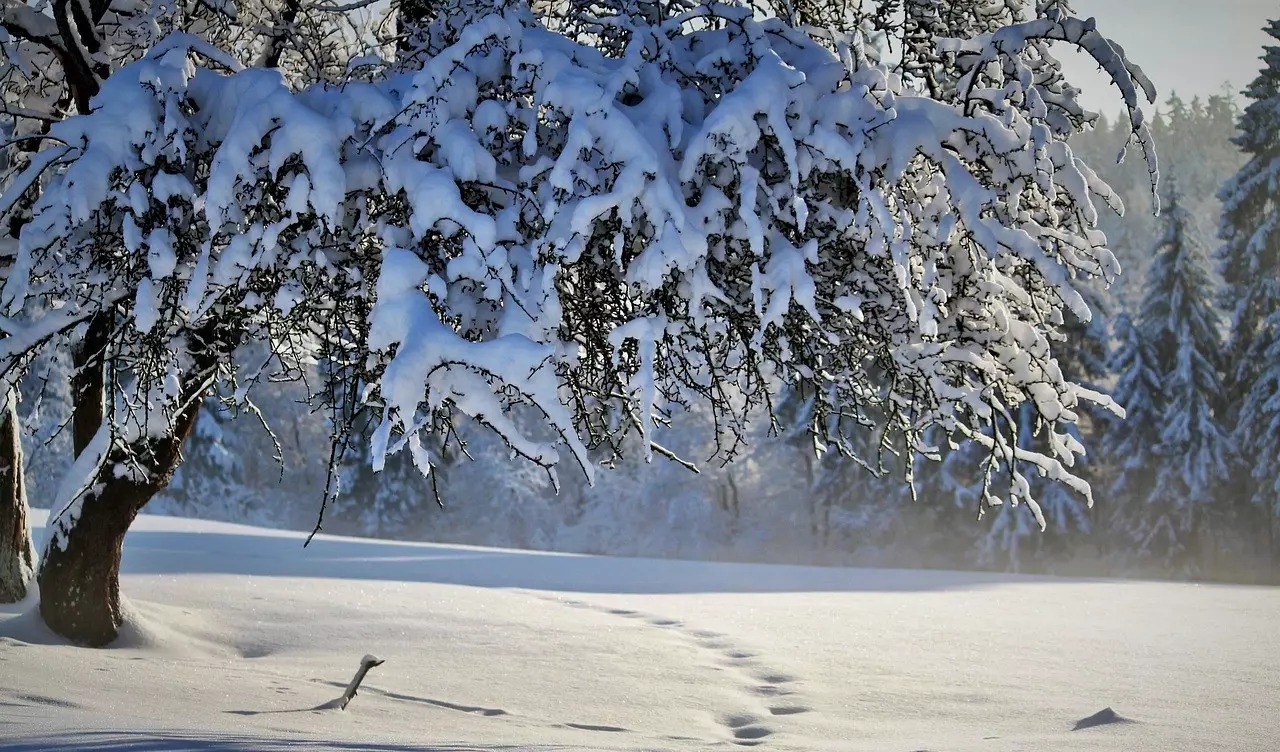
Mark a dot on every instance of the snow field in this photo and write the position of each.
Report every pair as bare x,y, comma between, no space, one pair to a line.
237,634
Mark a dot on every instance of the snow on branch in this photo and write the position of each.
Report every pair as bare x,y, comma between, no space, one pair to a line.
25,22
1008,45
366,664
564,239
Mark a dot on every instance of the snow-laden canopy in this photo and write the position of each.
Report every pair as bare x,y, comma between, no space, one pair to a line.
709,209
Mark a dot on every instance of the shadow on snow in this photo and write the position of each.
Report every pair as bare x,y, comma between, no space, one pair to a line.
157,741
282,555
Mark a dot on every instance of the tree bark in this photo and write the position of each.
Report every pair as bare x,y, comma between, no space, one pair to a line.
17,553
80,576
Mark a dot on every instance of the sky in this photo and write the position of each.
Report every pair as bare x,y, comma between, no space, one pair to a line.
1191,47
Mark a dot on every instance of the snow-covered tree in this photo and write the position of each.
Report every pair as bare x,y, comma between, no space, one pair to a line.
53,60
1250,265
1130,444
1250,228
1179,320
1258,435
35,413
595,227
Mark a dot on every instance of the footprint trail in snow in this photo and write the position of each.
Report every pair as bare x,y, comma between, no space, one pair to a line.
769,694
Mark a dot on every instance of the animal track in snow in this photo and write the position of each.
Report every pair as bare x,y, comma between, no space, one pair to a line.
715,643
738,721
49,701
776,678
759,683
746,729
750,736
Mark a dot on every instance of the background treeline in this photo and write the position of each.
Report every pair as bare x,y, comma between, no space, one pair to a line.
1186,487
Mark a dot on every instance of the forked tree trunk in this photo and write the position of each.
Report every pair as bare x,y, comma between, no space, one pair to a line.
17,553
80,574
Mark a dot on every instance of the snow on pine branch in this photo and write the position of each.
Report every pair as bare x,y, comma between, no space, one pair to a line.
527,225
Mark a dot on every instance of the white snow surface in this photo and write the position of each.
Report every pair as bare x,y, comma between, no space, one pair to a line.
235,634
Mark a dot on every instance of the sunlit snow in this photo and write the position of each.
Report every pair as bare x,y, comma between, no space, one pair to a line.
236,634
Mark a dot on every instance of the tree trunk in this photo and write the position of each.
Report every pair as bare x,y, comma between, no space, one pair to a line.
80,578
17,553
80,575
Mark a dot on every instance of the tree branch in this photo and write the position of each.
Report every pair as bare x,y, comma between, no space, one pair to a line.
24,22
275,45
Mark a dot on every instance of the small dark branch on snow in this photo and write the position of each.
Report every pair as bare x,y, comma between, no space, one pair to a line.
366,663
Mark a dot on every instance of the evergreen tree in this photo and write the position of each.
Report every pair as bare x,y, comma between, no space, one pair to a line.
1130,443
1250,229
1258,430
211,482
1250,263
384,504
1180,321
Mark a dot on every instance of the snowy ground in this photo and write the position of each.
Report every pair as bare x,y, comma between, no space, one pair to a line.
238,633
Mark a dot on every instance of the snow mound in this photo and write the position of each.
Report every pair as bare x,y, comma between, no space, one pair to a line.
27,627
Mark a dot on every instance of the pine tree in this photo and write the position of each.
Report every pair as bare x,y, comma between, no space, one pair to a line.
1250,229
1258,429
45,410
1180,321
388,503
1250,264
1130,443
211,482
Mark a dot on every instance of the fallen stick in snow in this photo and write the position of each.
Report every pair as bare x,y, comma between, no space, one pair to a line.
366,663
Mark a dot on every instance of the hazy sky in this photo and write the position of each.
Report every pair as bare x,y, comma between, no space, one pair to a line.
1188,46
